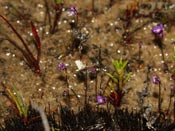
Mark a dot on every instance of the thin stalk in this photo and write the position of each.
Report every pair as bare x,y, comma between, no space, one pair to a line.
159,99
47,15
160,45
96,83
93,6
58,12
67,84
139,59
86,88
174,109
111,2
120,83
170,99
165,66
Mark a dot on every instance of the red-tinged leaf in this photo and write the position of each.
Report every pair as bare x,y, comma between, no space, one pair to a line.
38,43
15,31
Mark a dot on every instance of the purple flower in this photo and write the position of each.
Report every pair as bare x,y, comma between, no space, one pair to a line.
101,99
158,30
61,66
72,11
172,87
155,79
93,69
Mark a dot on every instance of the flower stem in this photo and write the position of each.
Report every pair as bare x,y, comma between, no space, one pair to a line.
159,99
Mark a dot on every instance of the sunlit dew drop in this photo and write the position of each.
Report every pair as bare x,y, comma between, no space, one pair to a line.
155,47
22,75
111,44
111,24
68,31
162,61
137,21
53,87
39,89
93,20
78,96
144,28
6,7
47,33
13,55
18,21
166,54
8,54
133,75
21,63
65,21
40,28
91,82
40,5
118,51
73,21
30,33
160,54
59,23
41,12
155,69
63,9
116,22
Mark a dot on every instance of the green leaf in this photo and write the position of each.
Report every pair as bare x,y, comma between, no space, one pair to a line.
59,1
127,77
114,78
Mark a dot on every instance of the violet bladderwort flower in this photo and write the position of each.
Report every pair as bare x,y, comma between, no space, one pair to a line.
155,79
101,99
72,11
61,66
172,87
158,30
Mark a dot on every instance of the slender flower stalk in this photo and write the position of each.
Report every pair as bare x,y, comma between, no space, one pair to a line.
62,67
156,80
158,32
93,6
170,98
140,46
